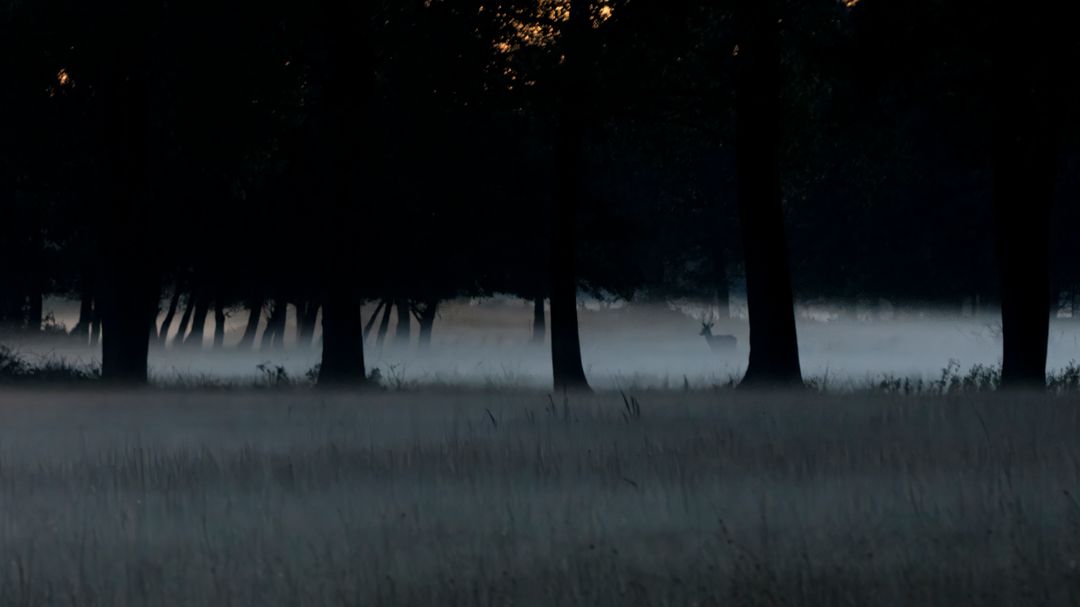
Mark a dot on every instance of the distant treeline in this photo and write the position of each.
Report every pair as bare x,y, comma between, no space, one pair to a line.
179,159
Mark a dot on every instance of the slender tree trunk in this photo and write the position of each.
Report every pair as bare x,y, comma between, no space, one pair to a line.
82,328
1027,119
403,331
774,350
274,336
427,323
1075,304
255,308
198,321
185,320
374,317
539,328
219,322
384,325
170,315
307,314
567,369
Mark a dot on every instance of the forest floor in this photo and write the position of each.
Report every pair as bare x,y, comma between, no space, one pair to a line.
472,497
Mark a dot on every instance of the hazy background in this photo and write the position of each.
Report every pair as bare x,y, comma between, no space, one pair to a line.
487,341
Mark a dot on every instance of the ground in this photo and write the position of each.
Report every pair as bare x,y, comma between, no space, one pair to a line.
472,497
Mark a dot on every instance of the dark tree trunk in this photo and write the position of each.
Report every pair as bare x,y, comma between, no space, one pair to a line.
539,328
198,321
427,323
185,320
274,336
774,350
128,288
384,325
567,369
403,331
307,314
343,341
255,308
1026,123
347,93
83,326
1075,304
219,322
374,317
170,315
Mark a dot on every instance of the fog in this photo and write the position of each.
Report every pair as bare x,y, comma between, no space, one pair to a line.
487,342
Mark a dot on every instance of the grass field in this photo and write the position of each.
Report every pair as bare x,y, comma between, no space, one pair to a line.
260,497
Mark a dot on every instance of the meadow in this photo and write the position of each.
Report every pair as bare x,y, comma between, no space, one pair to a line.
512,497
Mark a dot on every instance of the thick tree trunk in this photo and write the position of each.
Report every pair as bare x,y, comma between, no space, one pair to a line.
567,369
219,322
774,350
343,341
539,328
347,94
1027,119
255,308
403,331
198,321
170,315
128,288
427,323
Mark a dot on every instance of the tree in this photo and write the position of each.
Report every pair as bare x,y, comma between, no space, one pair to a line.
347,95
128,287
774,351
1029,64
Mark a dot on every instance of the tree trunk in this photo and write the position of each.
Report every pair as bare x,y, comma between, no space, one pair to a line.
774,350
82,329
347,94
219,322
1027,119
427,323
307,314
403,331
374,317
185,320
274,336
539,328
255,308
170,315
198,321
384,325
128,288
567,369
343,341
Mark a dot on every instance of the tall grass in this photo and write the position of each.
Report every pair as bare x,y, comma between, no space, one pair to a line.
413,498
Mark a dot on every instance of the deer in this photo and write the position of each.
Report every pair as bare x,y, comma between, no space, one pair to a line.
717,343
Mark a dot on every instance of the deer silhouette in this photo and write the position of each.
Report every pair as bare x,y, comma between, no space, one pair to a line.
717,343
